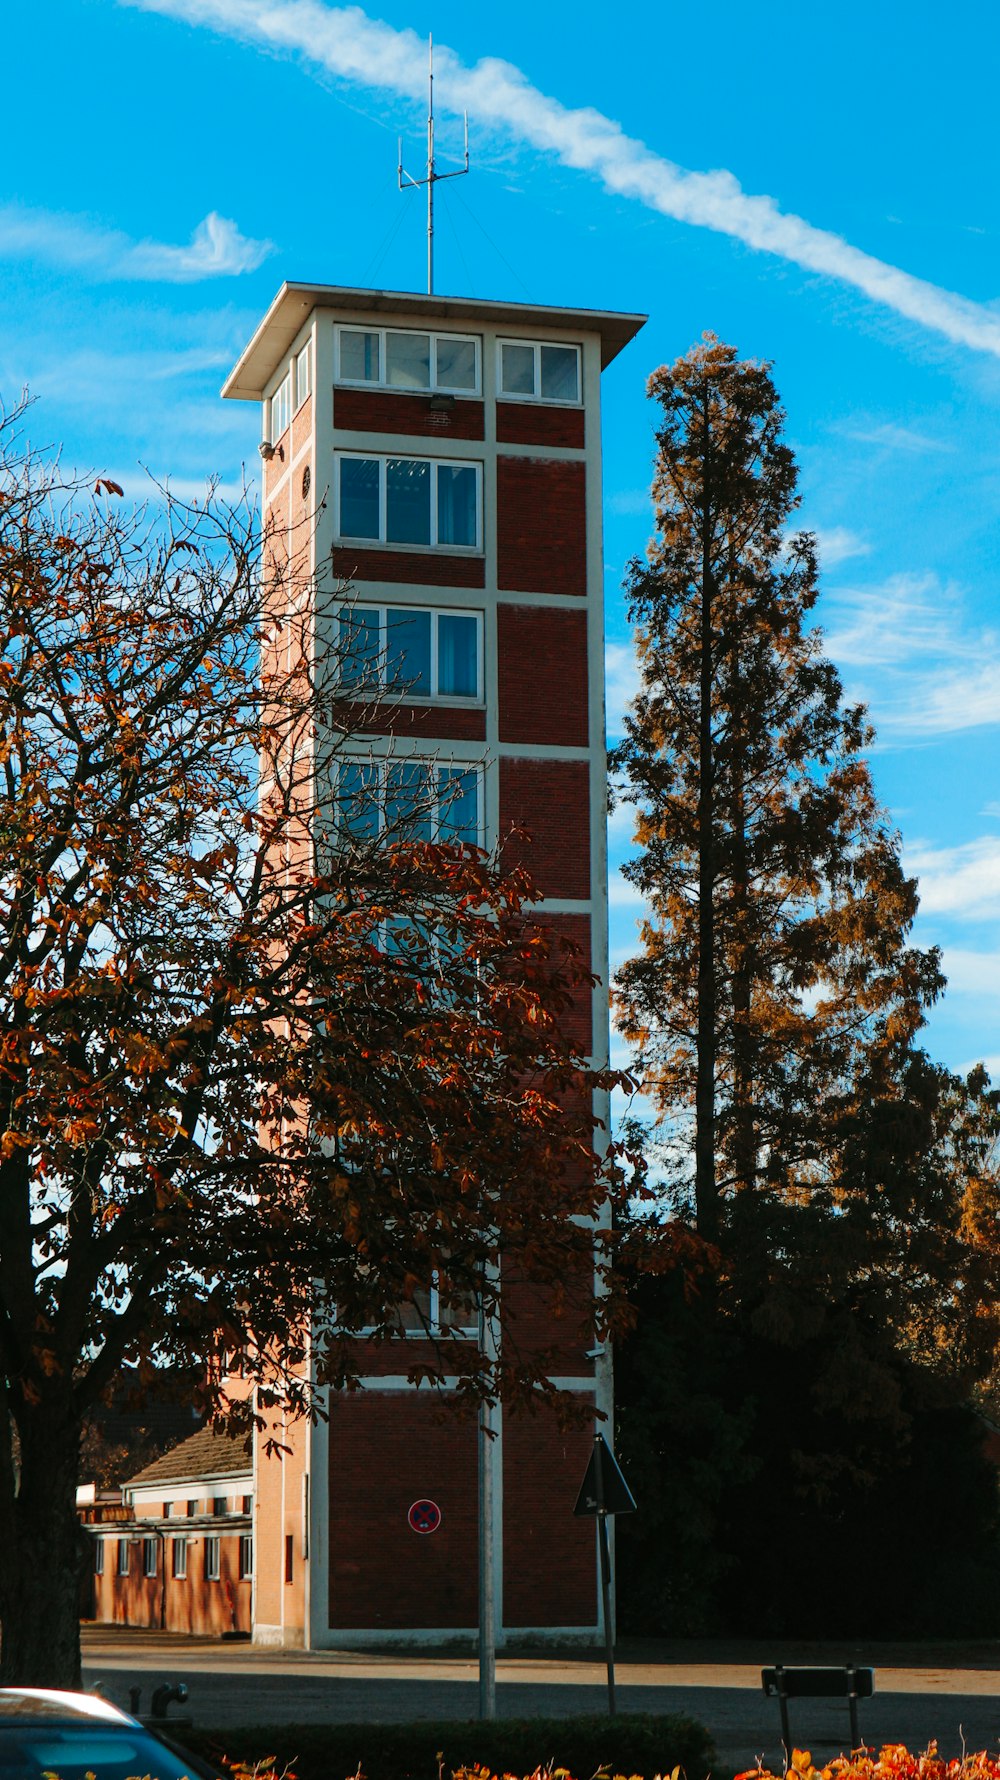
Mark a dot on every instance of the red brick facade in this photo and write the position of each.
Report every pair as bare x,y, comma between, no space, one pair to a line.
448,723
541,526
550,801
389,1449
390,411
522,423
549,1576
416,568
542,673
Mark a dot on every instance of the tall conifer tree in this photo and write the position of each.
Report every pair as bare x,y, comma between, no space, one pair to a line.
776,995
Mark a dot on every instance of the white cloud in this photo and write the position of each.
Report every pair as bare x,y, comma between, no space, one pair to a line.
344,42
839,544
891,437
216,249
972,973
935,674
621,672
962,882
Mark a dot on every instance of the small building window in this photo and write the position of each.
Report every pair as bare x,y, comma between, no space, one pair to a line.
212,1560
180,1557
168,1509
303,381
401,358
220,1504
192,1509
246,1556
248,1504
149,1556
123,1557
533,371
410,651
98,1557
281,408
289,1557
417,501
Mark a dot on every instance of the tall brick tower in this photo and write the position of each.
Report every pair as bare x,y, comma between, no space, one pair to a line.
443,456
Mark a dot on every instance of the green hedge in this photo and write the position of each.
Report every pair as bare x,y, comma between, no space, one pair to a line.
634,1743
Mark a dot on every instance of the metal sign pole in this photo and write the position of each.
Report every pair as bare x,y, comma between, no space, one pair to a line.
602,1537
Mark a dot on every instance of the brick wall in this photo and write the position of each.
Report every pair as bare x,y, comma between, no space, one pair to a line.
386,1451
430,569
550,799
395,411
577,1020
542,665
541,526
449,723
549,1556
521,423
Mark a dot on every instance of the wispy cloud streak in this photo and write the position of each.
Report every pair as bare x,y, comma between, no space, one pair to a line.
345,42
216,249
911,653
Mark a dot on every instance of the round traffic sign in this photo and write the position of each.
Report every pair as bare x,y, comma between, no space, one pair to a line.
424,1516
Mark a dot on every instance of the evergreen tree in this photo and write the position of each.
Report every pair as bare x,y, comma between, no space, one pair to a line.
776,991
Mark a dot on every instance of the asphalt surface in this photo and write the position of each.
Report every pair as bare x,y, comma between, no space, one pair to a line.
946,1693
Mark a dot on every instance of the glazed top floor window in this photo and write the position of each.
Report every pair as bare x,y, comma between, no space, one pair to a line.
399,358
535,371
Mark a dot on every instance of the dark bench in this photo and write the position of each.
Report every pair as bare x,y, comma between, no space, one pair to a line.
848,1683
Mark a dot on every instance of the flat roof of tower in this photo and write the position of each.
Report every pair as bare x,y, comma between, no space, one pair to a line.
273,338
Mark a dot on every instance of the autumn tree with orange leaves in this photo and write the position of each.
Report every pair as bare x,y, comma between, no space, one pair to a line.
258,1070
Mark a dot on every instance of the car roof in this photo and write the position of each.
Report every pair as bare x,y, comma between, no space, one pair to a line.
20,1703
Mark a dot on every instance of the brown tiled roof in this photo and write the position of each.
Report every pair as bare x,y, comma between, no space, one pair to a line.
205,1454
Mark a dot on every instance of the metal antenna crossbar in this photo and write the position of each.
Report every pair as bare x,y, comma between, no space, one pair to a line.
432,175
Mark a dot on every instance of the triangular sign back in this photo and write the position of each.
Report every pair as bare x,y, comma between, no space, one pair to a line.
604,1489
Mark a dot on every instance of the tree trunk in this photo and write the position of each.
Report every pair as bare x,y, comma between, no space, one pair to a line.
41,1553
706,1189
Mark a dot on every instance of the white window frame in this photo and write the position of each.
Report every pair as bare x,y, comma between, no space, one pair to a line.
536,396
303,376
434,386
150,1557
180,1557
213,1558
246,1557
435,762
281,409
400,457
436,613
123,1565
98,1557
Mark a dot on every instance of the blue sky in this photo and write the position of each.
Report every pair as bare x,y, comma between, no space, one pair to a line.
816,185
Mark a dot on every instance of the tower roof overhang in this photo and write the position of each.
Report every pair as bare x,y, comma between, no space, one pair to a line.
294,303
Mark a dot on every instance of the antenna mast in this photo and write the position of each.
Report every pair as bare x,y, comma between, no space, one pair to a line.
432,175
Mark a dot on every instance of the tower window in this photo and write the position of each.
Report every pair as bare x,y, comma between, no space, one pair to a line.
409,500
534,371
411,652
410,800
281,408
402,358
303,381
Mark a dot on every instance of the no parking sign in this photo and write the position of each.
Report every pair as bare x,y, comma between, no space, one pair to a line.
424,1516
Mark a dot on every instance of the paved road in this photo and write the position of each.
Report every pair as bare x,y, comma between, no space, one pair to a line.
922,1692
